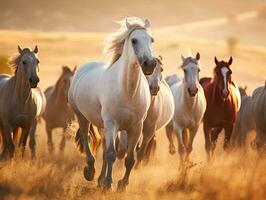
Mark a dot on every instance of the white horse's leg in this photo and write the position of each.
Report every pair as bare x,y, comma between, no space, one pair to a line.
89,171
147,137
103,170
169,133
133,138
110,131
181,147
192,134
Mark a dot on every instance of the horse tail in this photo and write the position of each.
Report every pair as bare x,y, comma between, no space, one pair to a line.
78,141
94,139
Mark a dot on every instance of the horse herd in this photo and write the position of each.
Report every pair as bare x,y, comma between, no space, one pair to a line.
123,103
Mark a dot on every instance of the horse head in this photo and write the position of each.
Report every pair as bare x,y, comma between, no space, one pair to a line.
223,74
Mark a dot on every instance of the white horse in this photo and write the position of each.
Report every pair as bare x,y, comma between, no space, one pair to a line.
115,96
160,112
190,105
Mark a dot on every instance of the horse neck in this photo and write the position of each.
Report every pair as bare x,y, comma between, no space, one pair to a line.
215,95
60,95
129,72
22,86
186,98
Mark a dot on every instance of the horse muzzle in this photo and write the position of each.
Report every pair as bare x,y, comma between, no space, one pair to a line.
192,91
148,66
34,82
154,90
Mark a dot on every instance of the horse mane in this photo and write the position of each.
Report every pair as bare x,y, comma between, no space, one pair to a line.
14,61
65,69
114,42
190,59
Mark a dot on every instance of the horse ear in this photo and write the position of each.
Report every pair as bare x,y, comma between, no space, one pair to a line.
183,58
230,60
19,49
75,68
35,49
147,23
198,56
246,87
128,25
160,57
216,61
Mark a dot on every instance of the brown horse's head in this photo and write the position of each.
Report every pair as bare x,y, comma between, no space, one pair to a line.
26,64
223,74
64,80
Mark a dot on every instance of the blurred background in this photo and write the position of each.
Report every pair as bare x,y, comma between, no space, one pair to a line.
212,19
71,32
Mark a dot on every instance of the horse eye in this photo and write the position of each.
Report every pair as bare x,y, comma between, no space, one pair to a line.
152,40
38,61
134,41
185,70
24,62
198,70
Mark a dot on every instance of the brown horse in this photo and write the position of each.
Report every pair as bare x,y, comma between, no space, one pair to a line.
21,102
58,113
223,101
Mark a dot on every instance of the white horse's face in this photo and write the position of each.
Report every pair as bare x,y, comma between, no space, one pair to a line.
191,70
141,42
155,79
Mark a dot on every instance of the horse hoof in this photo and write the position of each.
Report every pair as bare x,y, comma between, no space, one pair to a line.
107,186
172,151
121,186
89,173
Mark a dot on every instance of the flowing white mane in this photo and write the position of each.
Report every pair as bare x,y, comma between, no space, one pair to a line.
114,42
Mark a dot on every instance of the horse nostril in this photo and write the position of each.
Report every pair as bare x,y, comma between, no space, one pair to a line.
145,63
30,80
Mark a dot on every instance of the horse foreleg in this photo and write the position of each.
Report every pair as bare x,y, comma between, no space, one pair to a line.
207,129
150,150
227,138
32,138
7,144
110,131
103,170
133,138
49,139
181,147
63,141
89,170
147,137
192,134
214,137
23,139
169,133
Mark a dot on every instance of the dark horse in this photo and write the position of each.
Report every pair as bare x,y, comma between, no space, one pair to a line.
58,113
223,101
21,102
